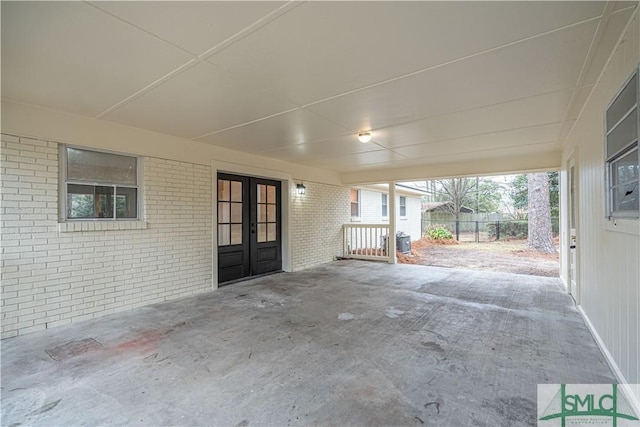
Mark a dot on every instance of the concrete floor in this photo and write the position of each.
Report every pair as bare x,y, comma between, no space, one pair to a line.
348,343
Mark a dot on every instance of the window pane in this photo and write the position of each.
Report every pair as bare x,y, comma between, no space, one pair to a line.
385,205
271,193
92,166
625,133
271,213
271,232
80,201
223,212
623,103
625,169
354,209
126,202
625,197
354,196
103,202
262,213
236,191
236,212
224,234
262,193
224,192
236,234
262,232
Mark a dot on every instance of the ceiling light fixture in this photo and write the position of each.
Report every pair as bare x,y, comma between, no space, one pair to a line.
364,137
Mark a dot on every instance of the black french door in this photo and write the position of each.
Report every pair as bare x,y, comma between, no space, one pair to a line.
249,227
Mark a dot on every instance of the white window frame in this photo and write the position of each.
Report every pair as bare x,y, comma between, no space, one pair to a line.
385,205
63,181
401,206
631,146
358,202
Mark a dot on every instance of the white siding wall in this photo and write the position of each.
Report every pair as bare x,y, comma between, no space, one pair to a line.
51,278
609,255
371,212
316,224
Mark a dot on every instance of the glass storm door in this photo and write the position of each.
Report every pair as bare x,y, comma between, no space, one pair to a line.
249,227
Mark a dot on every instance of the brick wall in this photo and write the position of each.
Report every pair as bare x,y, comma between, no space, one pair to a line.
316,224
52,277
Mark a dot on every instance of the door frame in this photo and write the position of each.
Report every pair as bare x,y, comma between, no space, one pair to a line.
573,205
286,182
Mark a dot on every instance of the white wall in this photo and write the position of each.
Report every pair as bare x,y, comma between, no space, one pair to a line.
371,212
316,223
608,252
51,278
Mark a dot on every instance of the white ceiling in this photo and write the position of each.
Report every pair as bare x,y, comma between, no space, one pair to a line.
435,82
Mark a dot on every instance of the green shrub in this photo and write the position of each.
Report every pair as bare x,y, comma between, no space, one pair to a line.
439,233
508,229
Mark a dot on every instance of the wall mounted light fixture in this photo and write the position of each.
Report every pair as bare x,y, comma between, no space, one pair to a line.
301,190
364,137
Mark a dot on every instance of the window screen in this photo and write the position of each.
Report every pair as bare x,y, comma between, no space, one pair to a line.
100,185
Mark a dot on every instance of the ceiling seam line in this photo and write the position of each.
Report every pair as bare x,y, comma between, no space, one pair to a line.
588,60
196,58
481,134
372,142
453,61
131,24
244,124
624,31
250,29
445,155
349,132
465,110
191,63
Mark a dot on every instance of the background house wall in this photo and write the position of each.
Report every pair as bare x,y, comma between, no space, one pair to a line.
608,251
371,212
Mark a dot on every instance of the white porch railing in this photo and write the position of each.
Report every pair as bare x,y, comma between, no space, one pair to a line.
366,241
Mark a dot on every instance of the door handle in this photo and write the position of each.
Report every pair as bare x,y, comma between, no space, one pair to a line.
572,247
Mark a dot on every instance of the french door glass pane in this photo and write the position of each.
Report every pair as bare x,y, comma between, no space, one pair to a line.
271,232
236,213
262,232
236,234
223,213
224,190
271,213
224,231
271,194
236,191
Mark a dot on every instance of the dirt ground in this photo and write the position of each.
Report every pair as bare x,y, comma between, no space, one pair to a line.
509,256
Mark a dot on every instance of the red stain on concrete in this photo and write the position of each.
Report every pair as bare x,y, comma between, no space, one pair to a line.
144,342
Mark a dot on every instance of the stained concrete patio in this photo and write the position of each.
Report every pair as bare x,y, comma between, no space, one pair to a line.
348,343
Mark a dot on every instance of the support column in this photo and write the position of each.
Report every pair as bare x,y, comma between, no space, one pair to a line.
392,223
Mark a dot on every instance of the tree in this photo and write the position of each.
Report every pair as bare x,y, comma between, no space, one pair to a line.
456,191
479,194
489,196
540,234
519,194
